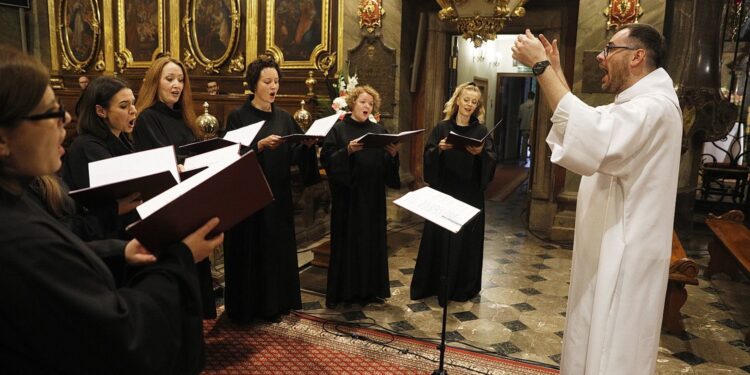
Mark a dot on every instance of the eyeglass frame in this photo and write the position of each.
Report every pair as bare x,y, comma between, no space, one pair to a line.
59,114
608,47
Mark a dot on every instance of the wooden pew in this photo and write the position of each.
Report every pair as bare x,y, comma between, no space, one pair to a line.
730,249
682,270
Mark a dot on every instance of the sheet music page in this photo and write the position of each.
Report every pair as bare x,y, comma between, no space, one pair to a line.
322,126
208,158
244,135
439,208
154,204
408,132
130,166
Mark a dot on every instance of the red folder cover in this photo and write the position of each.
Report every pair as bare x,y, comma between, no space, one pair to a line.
234,193
149,187
372,140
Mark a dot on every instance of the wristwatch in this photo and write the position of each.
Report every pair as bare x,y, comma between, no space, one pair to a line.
539,67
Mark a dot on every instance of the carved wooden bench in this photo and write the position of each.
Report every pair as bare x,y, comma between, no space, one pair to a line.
730,249
682,270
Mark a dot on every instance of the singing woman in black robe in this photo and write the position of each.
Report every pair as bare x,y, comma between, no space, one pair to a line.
62,313
166,117
107,115
463,174
260,253
358,269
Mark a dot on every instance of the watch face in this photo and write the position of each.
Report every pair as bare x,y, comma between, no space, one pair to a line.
539,67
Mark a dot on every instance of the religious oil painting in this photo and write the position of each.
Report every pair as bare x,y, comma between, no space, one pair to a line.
213,26
298,28
142,31
79,31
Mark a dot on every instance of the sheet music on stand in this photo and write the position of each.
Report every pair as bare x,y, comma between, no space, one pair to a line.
439,208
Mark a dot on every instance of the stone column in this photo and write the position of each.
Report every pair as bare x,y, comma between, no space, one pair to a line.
693,54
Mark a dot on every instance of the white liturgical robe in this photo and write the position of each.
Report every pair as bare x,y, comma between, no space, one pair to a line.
628,153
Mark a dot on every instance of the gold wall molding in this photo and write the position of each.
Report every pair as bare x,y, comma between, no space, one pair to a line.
212,31
141,40
622,12
283,53
78,24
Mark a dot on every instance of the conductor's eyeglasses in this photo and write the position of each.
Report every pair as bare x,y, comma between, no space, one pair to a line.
609,47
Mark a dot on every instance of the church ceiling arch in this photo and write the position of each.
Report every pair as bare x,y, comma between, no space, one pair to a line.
79,33
212,28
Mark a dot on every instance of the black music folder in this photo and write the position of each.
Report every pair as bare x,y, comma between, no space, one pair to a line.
197,148
372,140
460,142
149,186
318,130
230,192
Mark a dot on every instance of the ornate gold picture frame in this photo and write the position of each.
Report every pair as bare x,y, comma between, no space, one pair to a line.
297,31
140,33
79,33
212,28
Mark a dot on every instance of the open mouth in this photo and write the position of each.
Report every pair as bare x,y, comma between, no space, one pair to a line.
131,123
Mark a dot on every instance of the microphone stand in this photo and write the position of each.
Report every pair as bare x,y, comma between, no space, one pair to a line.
444,280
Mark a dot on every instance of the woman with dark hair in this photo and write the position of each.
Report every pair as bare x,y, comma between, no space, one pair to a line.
463,174
260,253
358,271
165,107
166,118
107,115
62,312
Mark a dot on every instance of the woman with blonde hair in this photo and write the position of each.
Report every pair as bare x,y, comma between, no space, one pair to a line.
165,107
464,174
358,270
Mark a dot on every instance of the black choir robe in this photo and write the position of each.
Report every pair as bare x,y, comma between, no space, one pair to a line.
260,253
358,269
87,148
464,177
159,126
63,314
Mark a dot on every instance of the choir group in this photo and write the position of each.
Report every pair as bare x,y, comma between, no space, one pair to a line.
72,276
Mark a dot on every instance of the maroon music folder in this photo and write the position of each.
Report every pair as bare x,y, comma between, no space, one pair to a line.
149,187
232,194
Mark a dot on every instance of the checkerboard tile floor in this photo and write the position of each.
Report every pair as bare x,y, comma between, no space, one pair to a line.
520,312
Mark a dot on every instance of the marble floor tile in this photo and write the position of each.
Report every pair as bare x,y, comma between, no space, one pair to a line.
520,311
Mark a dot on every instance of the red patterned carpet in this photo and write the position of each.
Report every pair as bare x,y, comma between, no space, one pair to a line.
300,345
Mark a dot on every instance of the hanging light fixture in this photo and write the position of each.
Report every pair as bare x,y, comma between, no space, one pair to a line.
480,20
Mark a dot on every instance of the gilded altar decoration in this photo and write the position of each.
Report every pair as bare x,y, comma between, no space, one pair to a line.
207,123
140,33
370,13
237,65
212,30
303,117
325,62
480,20
297,31
622,12
99,66
79,33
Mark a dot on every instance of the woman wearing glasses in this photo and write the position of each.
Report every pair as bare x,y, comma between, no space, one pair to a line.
55,288
107,116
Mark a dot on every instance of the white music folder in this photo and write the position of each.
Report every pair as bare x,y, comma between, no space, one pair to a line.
439,208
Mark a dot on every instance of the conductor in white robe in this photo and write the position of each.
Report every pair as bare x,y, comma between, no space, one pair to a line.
628,153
